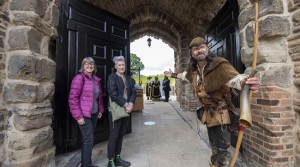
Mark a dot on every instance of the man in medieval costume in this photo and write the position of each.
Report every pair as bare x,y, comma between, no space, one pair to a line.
212,78
148,88
155,95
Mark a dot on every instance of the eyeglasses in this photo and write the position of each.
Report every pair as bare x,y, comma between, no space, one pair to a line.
89,64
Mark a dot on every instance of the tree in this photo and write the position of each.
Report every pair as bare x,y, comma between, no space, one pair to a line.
135,63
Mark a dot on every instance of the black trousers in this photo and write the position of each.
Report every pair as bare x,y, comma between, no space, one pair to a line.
219,139
167,95
87,131
117,130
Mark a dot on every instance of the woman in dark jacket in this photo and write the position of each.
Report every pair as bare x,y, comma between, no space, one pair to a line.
86,106
120,90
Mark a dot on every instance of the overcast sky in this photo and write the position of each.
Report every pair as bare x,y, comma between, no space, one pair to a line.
156,59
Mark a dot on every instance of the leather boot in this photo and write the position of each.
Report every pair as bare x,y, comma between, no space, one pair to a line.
111,163
120,162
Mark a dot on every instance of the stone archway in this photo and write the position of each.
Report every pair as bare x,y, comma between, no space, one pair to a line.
27,71
173,22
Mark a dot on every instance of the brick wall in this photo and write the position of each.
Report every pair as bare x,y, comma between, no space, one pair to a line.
294,51
272,109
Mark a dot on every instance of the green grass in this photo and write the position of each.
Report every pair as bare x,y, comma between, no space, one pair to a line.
160,77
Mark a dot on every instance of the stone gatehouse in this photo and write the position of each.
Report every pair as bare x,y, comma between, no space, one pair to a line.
29,32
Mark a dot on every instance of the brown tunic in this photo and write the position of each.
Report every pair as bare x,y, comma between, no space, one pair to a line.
216,75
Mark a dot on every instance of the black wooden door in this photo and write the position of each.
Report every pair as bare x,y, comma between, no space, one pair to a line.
223,35
84,30
223,40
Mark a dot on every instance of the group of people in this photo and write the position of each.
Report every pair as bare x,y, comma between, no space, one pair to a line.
86,107
209,75
153,89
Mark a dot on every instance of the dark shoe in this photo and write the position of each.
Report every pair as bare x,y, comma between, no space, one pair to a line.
120,162
111,163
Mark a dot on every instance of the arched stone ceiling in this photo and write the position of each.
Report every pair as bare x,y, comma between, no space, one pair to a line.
168,20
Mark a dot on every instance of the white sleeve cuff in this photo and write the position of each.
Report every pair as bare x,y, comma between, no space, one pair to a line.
125,105
236,81
184,76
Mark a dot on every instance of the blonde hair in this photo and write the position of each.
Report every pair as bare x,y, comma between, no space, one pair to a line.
88,60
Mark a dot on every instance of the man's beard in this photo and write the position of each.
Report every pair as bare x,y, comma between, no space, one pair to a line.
200,57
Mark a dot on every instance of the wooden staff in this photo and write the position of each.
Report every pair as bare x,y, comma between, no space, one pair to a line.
243,124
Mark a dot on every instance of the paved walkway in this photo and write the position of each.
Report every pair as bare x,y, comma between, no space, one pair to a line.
175,140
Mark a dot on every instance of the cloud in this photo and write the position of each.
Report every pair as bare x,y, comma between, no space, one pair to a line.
157,58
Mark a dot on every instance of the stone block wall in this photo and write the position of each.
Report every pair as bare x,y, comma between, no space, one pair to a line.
272,106
4,22
294,52
27,73
27,82
181,65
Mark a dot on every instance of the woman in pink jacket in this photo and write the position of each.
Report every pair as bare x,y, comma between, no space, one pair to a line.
86,106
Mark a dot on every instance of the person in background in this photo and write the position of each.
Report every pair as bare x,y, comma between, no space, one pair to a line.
131,76
86,106
166,88
141,83
155,94
136,86
120,88
149,88
211,78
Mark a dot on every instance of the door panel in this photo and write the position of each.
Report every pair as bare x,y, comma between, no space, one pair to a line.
223,40
223,35
85,30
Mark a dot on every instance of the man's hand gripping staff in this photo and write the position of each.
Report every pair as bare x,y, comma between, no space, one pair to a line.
245,97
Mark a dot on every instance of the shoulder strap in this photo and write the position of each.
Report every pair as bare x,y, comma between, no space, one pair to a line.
231,106
83,80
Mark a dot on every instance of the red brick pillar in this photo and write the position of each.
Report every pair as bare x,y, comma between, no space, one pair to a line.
271,108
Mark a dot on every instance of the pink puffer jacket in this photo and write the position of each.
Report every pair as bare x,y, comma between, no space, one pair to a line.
81,96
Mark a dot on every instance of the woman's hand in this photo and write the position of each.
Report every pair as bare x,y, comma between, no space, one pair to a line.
81,121
129,109
99,115
254,83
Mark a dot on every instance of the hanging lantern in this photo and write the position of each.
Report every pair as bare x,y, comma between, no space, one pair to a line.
149,41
